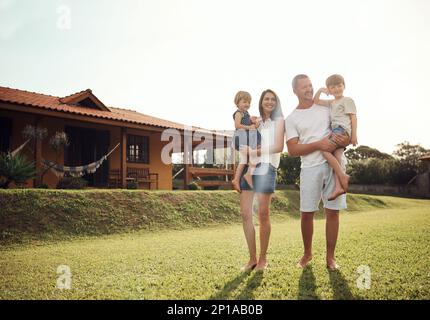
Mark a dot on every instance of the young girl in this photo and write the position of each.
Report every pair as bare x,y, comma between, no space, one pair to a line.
245,134
343,120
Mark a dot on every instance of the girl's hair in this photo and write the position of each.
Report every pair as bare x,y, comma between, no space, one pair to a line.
277,112
242,95
334,80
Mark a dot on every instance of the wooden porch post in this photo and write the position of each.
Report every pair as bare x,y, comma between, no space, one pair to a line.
188,159
38,155
123,157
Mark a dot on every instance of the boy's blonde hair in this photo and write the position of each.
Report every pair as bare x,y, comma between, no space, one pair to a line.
242,95
334,80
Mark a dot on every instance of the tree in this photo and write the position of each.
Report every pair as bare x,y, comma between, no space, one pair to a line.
409,165
289,169
365,152
410,154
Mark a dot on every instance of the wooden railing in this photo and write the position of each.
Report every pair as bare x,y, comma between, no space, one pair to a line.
195,173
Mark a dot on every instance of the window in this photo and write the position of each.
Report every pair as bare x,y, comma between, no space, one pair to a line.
5,134
138,149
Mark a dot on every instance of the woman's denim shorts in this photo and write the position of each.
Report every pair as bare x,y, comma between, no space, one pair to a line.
263,179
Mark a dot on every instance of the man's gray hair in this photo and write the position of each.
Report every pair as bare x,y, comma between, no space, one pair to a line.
297,78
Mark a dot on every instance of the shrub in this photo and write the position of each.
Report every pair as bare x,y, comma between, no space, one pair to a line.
72,183
42,186
132,185
289,170
194,186
15,169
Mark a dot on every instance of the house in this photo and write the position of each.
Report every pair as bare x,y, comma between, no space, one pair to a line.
424,179
93,129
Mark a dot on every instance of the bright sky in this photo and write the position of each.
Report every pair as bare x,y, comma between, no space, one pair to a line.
184,60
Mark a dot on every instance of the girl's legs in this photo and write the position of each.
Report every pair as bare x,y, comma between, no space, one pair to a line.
341,178
252,164
265,228
246,199
236,181
242,163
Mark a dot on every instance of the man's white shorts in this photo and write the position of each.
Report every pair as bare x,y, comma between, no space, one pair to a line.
317,183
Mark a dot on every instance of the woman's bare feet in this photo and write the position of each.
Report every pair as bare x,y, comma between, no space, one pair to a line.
248,179
304,261
261,265
249,266
236,186
332,265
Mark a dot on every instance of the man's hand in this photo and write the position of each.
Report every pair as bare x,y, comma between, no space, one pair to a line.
327,145
341,139
354,141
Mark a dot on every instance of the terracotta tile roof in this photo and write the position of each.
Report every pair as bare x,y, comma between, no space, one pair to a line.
425,157
48,102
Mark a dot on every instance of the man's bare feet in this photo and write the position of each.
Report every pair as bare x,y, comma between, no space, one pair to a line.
344,181
236,186
261,265
304,261
248,179
336,193
332,265
249,266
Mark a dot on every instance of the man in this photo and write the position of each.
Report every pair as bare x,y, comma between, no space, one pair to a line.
307,131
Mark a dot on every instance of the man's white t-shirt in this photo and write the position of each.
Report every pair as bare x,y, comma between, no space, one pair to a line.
309,125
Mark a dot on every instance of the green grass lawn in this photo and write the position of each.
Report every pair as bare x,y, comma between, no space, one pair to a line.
204,262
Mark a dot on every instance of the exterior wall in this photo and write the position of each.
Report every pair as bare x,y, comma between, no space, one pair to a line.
155,164
20,120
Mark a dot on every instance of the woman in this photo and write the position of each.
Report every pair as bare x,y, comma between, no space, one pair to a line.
264,178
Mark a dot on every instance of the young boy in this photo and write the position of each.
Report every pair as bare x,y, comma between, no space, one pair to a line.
343,120
245,134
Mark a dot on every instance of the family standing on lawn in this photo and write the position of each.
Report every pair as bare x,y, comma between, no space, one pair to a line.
318,131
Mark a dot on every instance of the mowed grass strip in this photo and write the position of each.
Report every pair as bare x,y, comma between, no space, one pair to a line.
391,237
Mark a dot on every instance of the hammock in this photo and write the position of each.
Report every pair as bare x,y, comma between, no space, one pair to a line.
18,150
77,171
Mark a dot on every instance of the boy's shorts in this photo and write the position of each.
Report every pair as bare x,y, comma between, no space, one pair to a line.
338,130
317,183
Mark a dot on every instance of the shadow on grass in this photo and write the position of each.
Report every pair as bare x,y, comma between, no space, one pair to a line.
307,286
253,283
246,294
341,290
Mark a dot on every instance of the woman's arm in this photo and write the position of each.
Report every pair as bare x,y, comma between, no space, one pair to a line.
317,100
353,118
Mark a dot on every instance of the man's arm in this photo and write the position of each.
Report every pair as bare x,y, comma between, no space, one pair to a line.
295,149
